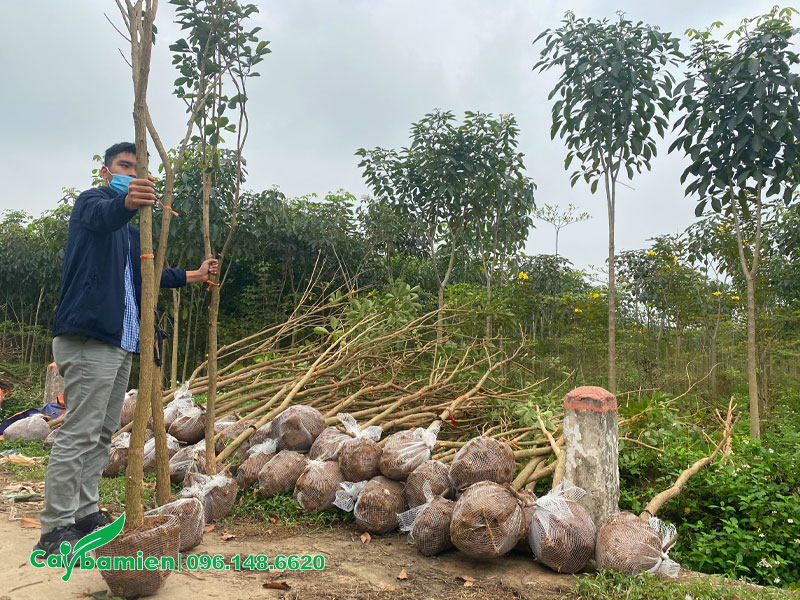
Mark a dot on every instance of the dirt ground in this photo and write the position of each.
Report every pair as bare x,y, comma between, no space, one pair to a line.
354,570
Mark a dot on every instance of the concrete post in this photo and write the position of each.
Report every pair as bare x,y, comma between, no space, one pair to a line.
53,384
591,433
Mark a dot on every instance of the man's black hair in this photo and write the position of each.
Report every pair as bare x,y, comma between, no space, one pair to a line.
118,149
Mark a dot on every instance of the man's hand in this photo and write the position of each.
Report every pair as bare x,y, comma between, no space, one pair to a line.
204,273
141,193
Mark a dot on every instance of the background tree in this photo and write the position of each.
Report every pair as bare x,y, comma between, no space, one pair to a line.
741,129
615,90
560,219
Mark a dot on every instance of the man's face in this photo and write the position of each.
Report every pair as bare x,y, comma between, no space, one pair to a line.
123,163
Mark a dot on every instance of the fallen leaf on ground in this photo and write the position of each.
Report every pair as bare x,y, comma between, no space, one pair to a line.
208,528
29,523
274,519
228,536
402,575
365,538
466,578
276,585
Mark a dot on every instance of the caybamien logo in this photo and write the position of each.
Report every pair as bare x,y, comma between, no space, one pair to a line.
70,557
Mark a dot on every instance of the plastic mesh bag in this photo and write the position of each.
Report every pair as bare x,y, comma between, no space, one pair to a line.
561,532
149,461
328,444
191,518
629,545
428,523
377,506
316,488
34,427
482,459
359,456
280,474
187,459
51,438
257,456
128,407
433,473
297,427
230,431
262,434
404,451
487,520
180,399
216,492
118,455
188,424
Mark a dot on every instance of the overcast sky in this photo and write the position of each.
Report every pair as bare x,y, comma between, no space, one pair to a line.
342,75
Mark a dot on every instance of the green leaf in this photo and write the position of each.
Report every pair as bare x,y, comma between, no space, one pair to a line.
320,331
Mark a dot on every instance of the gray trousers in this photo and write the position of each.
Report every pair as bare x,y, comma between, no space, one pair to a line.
95,381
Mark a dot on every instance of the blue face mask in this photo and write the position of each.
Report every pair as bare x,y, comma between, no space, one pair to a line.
120,183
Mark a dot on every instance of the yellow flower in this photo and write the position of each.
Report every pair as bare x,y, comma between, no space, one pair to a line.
523,275
735,298
667,266
635,323
717,293
687,510
578,310
595,296
674,260
651,253
720,228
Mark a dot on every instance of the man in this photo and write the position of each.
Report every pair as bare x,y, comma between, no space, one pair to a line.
95,334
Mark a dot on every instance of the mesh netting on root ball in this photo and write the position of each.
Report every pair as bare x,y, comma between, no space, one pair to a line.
487,520
297,427
281,473
51,438
128,407
257,456
359,457
230,431
34,427
180,400
216,492
191,518
189,424
316,488
187,459
149,462
482,459
328,444
118,455
627,544
158,536
404,451
432,472
375,503
561,532
428,523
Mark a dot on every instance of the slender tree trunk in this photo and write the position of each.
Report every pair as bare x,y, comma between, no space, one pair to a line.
752,363
176,309
35,325
714,336
612,288
187,348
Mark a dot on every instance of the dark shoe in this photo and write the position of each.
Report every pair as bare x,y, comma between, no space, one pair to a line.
90,523
51,541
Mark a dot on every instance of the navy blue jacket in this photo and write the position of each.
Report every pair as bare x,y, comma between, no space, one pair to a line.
92,300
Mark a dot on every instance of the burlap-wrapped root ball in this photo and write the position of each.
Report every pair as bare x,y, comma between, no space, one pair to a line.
561,533
128,407
328,444
404,451
191,518
315,490
432,472
428,523
280,474
627,544
487,520
230,431
257,456
187,459
118,455
189,424
482,459
180,400
377,506
158,537
297,427
149,462
262,434
216,492
359,459
34,427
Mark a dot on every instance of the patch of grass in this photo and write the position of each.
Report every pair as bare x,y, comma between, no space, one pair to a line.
112,491
607,585
26,448
286,509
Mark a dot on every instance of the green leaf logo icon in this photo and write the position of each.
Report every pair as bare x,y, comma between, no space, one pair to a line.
89,542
